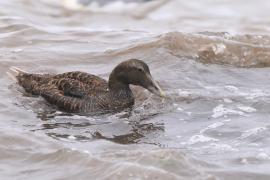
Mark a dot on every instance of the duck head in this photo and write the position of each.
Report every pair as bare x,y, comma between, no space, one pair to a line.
134,72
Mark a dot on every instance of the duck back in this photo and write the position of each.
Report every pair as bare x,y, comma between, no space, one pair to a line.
75,91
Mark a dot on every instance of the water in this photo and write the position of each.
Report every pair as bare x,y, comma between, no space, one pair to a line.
211,58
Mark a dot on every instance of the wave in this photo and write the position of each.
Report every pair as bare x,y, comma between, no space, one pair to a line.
133,8
212,48
32,155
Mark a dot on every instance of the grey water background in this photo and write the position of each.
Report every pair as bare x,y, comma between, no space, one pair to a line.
210,56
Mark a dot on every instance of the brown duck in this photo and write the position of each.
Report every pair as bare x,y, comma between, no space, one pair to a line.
86,93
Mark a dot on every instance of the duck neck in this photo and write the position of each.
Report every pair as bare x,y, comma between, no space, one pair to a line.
119,89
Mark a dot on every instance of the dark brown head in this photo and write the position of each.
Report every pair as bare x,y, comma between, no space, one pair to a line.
134,72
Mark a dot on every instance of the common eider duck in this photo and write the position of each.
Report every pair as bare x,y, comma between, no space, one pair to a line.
80,92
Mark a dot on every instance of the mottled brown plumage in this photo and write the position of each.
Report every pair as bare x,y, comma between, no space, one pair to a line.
83,92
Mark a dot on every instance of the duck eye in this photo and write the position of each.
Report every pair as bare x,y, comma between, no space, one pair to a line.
141,70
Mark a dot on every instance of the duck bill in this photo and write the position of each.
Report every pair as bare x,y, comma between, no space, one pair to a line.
154,88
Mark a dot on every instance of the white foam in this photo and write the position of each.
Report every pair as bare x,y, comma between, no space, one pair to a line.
117,7
200,139
262,156
212,126
244,161
180,109
71,137
183,93
86,151
231,88
255,93
17,50
215,125
72,4
113,7
227,120
222,147
74,149
220,111
247,109
253,131
219,48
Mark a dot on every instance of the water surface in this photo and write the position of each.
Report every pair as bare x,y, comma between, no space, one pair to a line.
210,57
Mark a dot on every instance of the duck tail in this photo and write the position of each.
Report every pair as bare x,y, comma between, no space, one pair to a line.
14,73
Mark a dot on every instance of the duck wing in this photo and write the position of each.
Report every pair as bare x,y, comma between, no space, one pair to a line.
72,92
93,83
55,96
72,87
73,96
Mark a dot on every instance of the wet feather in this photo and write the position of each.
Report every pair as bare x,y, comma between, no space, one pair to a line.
82,92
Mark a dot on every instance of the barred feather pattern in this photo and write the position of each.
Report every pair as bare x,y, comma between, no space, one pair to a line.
76,91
